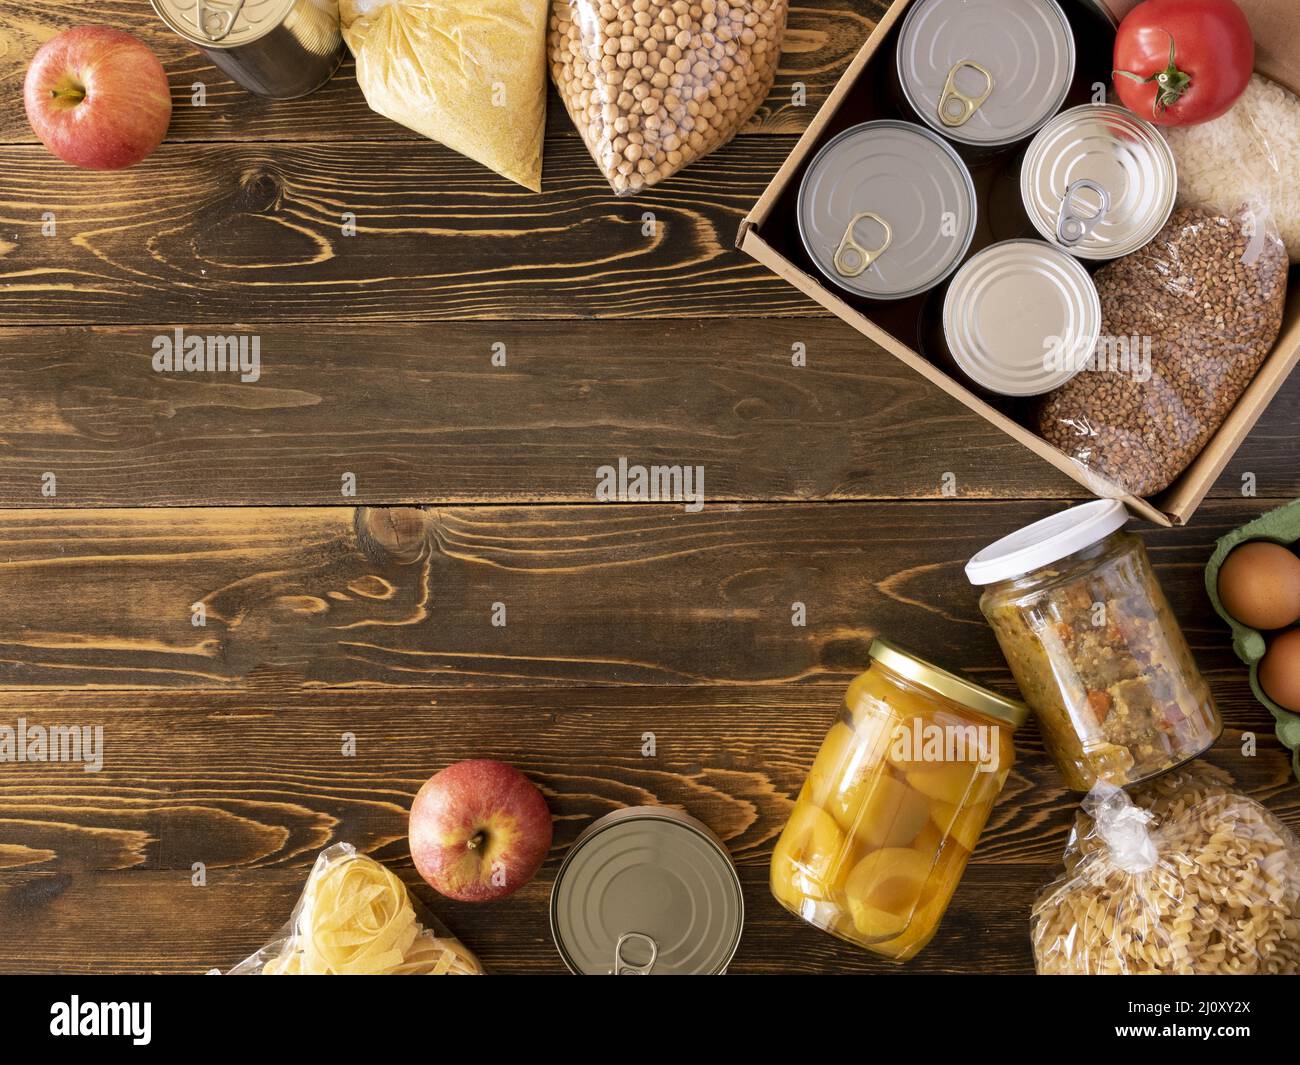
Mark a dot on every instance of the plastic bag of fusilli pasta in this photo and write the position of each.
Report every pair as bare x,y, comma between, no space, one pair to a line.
1185,876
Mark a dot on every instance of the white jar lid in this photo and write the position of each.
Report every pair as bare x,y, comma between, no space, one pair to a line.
1047,541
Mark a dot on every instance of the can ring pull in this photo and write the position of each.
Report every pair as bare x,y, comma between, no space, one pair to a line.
624,967
1071,226
215,20
966,105
851,258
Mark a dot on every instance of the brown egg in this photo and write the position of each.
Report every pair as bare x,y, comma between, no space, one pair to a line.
1279,671
1259,585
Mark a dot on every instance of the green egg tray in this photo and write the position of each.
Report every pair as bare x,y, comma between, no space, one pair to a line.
1282,526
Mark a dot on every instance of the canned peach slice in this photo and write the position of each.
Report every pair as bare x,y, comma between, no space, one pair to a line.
805,856
953,782
889,813
960,825
884,888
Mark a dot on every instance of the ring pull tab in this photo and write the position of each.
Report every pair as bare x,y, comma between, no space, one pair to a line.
1071,226
851,258
966,105
624,967
215,20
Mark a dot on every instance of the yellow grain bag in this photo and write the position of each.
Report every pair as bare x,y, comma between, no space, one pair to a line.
470,74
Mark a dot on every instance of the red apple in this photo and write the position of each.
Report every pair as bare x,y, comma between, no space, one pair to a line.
479,830
97,98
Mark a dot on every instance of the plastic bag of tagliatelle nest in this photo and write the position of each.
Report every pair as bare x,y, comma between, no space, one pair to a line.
652,85
356,918
1184,877
469,74
1187,321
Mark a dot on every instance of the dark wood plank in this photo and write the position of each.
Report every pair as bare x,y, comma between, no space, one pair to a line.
423,416
147,922
822,36
593,595
254,785
248,232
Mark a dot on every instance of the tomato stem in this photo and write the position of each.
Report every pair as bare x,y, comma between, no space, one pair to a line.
1170,83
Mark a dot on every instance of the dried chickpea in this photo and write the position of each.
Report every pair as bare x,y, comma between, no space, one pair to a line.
684,75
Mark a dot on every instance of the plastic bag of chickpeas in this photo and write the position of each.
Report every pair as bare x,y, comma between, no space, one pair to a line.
652,85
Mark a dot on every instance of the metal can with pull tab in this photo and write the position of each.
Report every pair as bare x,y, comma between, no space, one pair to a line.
887,210
985,73
647,891
1099,181
281,49
1021,318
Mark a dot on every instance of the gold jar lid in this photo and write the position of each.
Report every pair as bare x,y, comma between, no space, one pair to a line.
949,685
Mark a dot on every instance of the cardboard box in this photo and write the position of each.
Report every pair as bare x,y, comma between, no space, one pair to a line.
765,235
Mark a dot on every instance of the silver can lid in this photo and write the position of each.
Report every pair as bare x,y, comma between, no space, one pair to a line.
226,23
1022,317
985,72
1099,181
887,209
647,891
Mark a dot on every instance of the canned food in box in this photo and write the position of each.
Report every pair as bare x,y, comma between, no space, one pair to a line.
277,48
887,210
1021,318
647,891
1099,181
985,72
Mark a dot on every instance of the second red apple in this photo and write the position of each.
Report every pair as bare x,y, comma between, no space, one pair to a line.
479,830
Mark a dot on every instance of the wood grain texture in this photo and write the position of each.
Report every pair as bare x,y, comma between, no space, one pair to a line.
822,36
253,786
422,416
247,232
593,595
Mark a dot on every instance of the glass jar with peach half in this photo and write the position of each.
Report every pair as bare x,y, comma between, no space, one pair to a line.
894,803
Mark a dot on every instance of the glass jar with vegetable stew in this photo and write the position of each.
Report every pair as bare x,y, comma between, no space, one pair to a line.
1095,648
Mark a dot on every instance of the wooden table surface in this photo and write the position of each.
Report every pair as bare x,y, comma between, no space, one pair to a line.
329,614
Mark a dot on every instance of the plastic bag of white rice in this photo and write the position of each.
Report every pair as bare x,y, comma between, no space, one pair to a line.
1250,154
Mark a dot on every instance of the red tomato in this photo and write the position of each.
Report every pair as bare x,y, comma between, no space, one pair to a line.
1181,62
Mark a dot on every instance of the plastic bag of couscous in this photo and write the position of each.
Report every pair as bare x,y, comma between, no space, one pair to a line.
470,74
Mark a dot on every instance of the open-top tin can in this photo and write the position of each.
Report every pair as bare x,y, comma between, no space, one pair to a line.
1099,181
277,48
985,72
647,891
1021,318
887,210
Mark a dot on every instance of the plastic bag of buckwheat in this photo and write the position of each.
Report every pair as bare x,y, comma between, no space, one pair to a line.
1186,323
652,85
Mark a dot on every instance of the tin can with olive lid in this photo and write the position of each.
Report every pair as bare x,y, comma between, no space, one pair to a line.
887,210
895,802
1099,181
647,891
282,49
986,73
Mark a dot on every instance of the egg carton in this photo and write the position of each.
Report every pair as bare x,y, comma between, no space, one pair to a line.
1281,526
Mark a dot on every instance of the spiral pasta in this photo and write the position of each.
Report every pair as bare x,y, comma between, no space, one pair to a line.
1223,896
